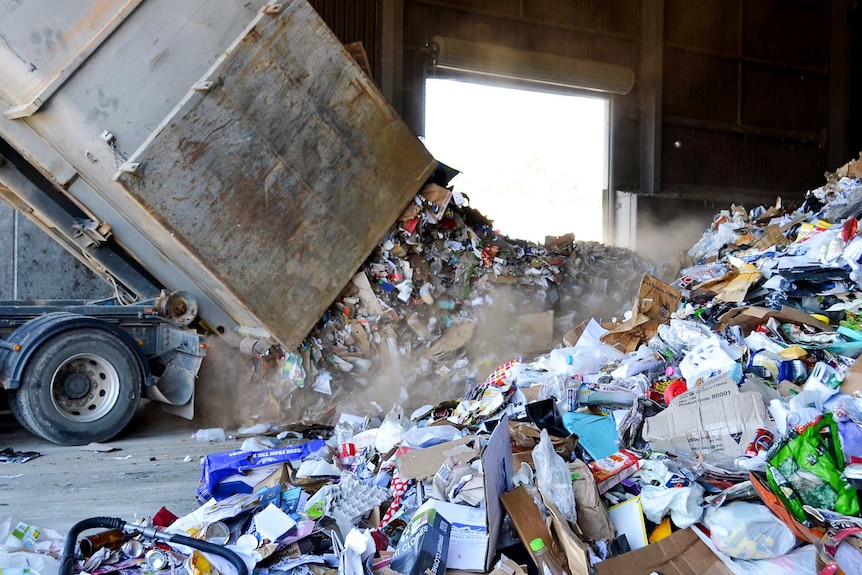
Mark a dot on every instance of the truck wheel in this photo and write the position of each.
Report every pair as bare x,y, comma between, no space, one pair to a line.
80,386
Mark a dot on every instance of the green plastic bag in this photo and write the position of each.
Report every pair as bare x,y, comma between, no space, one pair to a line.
805,469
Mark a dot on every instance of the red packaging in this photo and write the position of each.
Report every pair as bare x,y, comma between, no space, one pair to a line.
610,471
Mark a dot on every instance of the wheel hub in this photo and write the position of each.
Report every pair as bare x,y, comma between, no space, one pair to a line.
85,387
76,385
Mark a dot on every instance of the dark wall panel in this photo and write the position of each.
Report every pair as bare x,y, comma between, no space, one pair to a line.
693,157
697,86
354,21
422,22
706,24
783,99
615,16
744,86
794,33
784,169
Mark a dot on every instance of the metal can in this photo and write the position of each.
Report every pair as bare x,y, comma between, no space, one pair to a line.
156,559
132,548
217,532
762,441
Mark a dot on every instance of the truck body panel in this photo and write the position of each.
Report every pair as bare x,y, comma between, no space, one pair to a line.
232,149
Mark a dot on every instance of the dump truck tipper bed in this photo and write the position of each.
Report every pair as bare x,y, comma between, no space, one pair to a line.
229,150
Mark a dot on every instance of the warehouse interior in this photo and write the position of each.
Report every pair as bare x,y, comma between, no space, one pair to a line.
732,102
331,301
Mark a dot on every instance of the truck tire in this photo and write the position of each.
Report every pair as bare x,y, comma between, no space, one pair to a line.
80,386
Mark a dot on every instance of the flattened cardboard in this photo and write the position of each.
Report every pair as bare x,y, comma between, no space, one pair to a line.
528,521
751,317
628,336
656,299
576,551
737,288
452,339
716,420
683,553
852,383
422,463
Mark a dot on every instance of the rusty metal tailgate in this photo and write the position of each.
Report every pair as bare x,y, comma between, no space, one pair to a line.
278,174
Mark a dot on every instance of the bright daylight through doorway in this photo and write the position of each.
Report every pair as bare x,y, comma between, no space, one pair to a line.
535,163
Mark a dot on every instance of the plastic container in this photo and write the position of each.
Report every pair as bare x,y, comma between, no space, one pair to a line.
211,434
824,379
545,562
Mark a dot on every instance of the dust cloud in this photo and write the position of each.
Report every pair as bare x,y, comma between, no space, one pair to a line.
235,390
661,241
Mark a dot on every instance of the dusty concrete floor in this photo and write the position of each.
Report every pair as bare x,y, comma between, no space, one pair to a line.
67,484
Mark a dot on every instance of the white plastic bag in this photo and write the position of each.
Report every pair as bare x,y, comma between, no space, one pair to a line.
391,431
657,499
746,530
553,478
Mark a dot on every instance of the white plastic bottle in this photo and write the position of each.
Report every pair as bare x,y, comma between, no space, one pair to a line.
211,434
545,562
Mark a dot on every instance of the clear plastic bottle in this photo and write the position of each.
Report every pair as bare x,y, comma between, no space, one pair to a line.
545,562
212,434
345,449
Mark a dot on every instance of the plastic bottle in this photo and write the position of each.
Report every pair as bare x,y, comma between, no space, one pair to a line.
212,434
545,562
346,449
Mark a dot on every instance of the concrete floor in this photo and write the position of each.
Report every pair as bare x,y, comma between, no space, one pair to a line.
67,484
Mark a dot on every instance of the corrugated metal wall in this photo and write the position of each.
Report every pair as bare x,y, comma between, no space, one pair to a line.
745,92
354,21
742,110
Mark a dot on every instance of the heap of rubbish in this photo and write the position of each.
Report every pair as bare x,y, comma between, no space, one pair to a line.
712,428
440,303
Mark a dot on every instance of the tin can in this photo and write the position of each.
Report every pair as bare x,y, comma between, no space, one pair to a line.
132,548
217,532
156,559
762,441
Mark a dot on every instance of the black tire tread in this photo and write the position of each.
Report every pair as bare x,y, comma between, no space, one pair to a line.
25,405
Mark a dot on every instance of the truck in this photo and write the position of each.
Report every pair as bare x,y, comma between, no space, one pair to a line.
225,166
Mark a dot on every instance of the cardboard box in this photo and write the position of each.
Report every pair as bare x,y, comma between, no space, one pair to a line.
715,420
423,548
468,533
683,553
610,471
496,456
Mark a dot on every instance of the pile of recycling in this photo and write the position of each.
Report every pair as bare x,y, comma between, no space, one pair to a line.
713,428
442,300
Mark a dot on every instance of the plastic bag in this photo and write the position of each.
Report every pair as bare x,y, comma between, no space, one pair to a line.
579,359
669,493
553,478
805,469
421,437
746,530
26,562
391,431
